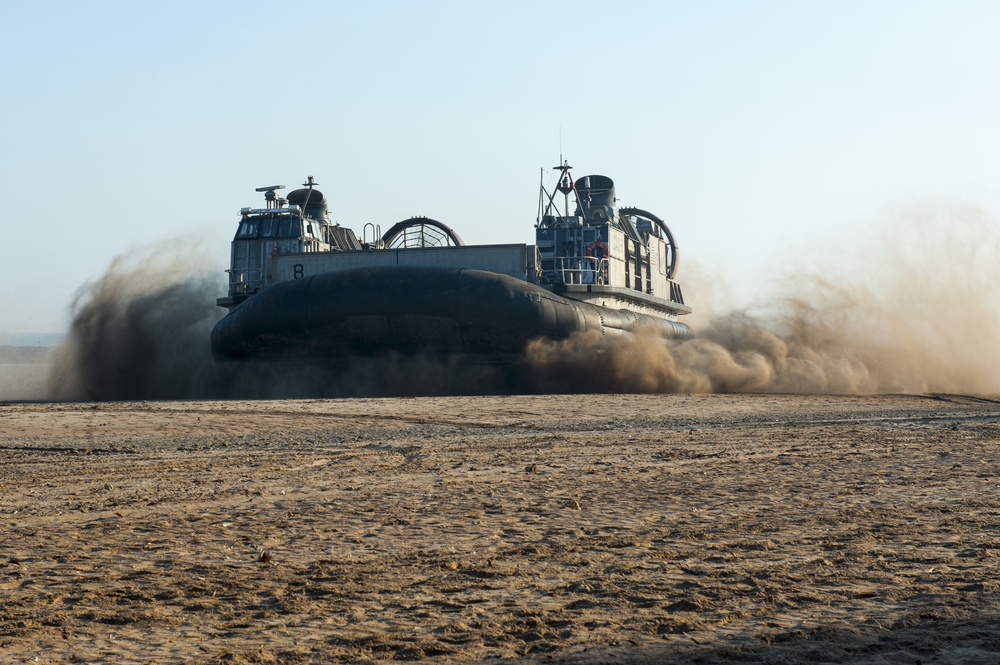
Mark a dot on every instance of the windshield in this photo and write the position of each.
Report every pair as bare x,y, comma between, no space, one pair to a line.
291,227
248,229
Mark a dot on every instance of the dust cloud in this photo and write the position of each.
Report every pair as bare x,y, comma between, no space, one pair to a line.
142,332
913,307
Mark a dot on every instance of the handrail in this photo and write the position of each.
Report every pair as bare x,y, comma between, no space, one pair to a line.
239,280
588,269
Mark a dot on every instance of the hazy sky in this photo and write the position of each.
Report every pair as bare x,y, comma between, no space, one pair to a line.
751,127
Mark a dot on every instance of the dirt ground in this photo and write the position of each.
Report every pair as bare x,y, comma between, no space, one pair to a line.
580,529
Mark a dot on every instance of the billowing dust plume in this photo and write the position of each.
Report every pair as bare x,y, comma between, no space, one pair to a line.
142,332
913,308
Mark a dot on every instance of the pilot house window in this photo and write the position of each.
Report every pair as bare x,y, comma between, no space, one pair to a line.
290,228
271,227
248,229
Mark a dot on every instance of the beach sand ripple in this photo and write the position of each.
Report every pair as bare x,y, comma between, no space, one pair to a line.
581,529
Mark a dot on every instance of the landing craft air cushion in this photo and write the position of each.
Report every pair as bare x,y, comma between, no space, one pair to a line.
303,287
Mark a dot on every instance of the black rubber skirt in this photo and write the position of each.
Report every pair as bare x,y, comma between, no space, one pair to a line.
408,310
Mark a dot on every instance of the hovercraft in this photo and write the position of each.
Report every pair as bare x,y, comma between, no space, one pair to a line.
302,287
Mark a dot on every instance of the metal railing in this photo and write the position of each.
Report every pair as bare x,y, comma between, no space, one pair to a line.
240,280
577,269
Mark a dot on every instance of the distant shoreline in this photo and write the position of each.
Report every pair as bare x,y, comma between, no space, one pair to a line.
31,339
25,355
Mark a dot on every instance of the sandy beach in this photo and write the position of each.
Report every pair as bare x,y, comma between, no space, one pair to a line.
581,529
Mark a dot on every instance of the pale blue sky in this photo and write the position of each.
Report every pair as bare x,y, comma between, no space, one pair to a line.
751,127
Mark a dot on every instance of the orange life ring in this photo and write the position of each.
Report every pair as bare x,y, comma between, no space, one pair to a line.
594,245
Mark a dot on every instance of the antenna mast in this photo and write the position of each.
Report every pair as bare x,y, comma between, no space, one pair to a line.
565,185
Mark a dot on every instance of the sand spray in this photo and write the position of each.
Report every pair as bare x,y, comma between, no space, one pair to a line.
915,308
